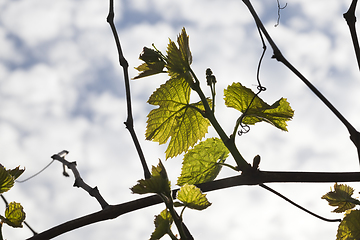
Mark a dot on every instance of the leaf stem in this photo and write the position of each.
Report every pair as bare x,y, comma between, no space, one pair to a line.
209,114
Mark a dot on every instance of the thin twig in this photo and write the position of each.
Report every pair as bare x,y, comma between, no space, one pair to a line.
354,134
297,205
350,20
124,64
79,182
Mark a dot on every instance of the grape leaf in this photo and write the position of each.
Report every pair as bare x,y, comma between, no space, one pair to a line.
179,59
6,180
16,172
175,118
162,223
239,97
14,215
154,63
192,197
349,228
157,183
341,197
201,164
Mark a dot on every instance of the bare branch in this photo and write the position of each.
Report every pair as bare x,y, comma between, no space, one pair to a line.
354,134
260,177
79,182
129,122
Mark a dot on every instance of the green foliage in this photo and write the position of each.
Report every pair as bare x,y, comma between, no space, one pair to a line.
341,197
175,118
154,63
185,123
203,162
157,183
240,97
192,197
14,215
162,223
349,228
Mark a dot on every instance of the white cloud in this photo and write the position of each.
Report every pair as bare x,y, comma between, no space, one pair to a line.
62,88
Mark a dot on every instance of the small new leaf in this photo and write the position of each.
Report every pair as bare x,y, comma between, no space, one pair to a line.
14,215
16,172
154,63
157,183
162,223
202,163
192,197
175,118
7,180
341,197
349,228
179,58
239,97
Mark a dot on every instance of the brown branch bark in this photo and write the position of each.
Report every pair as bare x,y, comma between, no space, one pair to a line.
259,177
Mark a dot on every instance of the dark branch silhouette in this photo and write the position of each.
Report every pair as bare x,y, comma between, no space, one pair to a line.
124,64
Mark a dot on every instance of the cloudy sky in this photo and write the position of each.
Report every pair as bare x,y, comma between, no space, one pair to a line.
61,88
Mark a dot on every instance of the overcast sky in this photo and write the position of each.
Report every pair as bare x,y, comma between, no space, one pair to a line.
61,88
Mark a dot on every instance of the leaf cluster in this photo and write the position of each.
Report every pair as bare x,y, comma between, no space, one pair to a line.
341,197
183,124
14,213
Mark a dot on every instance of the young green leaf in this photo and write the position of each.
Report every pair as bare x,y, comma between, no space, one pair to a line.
179,59
175,118
6,180
192,197
201,164
16,172
349,228
239,97
154,63
341,197
162,223
14,215
157,183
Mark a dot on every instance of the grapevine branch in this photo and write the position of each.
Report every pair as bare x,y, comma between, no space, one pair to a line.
354,134
79,182
350,20
124,64
260,177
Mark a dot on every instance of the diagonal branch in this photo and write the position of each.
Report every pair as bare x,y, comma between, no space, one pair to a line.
129,122
258,178
350,20
79,182
354,134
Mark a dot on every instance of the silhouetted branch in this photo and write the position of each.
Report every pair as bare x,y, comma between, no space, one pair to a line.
350,20
354,134
79,182
257,178
129,122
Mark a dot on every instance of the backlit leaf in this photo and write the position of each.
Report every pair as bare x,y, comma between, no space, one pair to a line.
154,63
239,97
6,180
341,197
179,58
162,223
201,164
349,228
16,172
157,183
192,197
175,118
14,215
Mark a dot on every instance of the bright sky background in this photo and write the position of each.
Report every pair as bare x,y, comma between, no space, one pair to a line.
61,88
